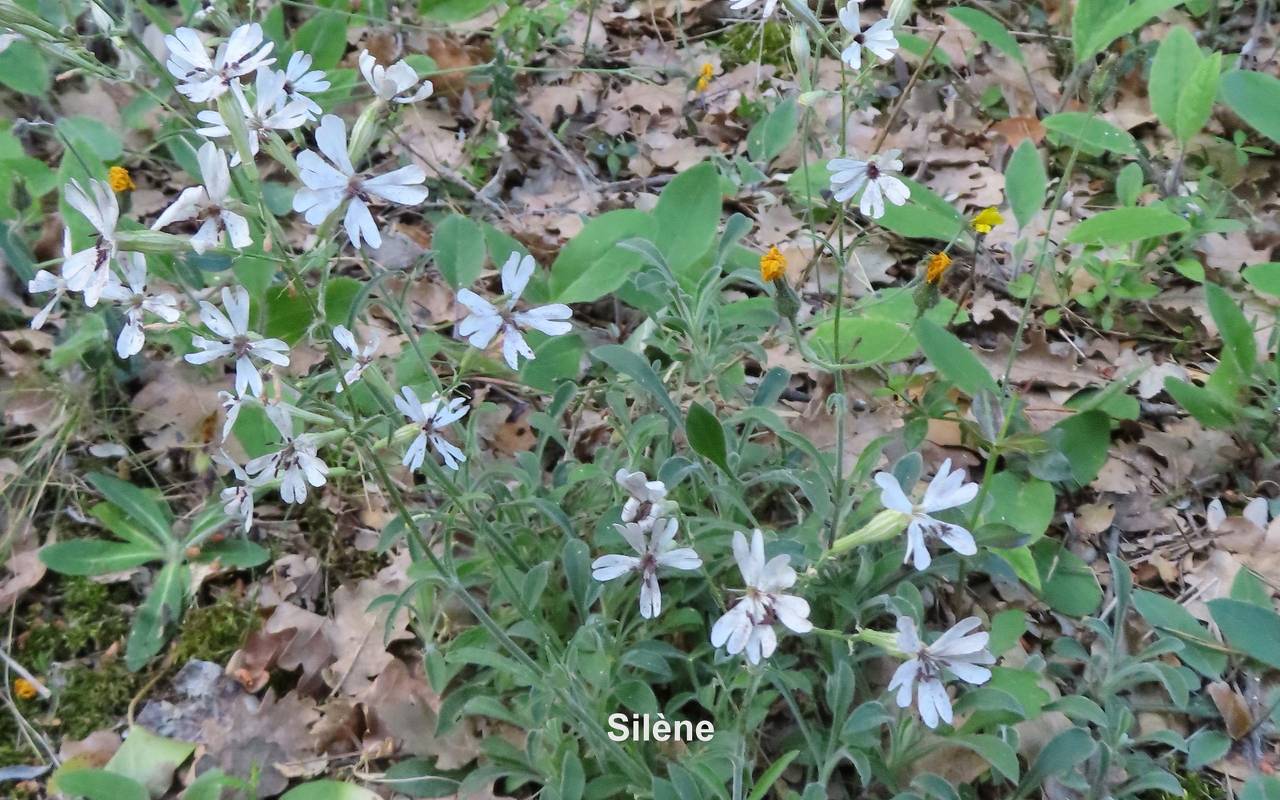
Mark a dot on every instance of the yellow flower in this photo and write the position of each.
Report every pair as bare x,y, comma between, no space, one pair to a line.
704,77
936,267
987,220
120,180
773,264
24,689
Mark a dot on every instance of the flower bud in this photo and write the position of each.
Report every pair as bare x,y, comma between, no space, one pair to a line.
899,10
885,640
801,53
883,526
152,242
365,130
809,99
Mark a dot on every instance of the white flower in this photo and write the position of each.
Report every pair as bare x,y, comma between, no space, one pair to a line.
656,552
267,112
207,203
133,295
748,625
89,270
485,320
231,404
956,650
347,341
234,339
45,281
431,417
237,500
296,464
879,38
202,79
769,5
332,180
299,79
647,501
849,176
946,490
393,82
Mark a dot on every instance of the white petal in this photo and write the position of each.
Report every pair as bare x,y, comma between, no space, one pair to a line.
331,138
606,568
515,276
891,494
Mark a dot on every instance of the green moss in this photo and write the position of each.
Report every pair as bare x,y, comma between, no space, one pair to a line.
96,697
86,619
214,632
741,44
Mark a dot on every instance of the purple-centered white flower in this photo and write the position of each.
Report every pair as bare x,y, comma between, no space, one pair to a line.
363,358
646,500
656,550
45,281
89,270
202,79
485,320
871,177
208,203
748,624
231,404
332,180
237,341
132,294
298,81
431,418
237,500
269,111
947,490
962,653
296,463
393,83
878,38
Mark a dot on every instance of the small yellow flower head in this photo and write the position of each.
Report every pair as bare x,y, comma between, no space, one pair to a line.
24,689
773,265
704,77
936,267
120,180
987,220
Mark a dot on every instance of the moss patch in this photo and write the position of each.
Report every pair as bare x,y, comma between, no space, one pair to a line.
214,632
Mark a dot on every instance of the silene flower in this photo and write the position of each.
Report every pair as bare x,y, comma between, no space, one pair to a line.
269,111
235,340
202,79
45,281
769,6
394,82
431,417
231,404
237,500
485,320
655,548
134,297
947,490
299,81
363,358
89,270
878,38
296,463
332,180
958,651
871,177
748,624
646,501
208,203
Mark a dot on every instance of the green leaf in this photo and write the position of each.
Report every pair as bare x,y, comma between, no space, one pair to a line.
459,250
994,750
91,137
771,775
1126,225
1200,649
557,359
1204,405
990,30
95,557
925,216
236,553
454,10
1195,101
329,790
416,777
591,265
140,506
1025,183
571,781
1068,585
1023,564
1024,504
1249,588
636,368
23,68
771,135
1129,184
288,314
1237,332
99,784
1205,747
1095,136
1252,630
952,359
706,436
1176,59
1091,40
687,215
149,759
1264,278
1063,753
157,616
324,36
1255,96
1084,440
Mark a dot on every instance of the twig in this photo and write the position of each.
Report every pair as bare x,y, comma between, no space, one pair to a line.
588,181
906,92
